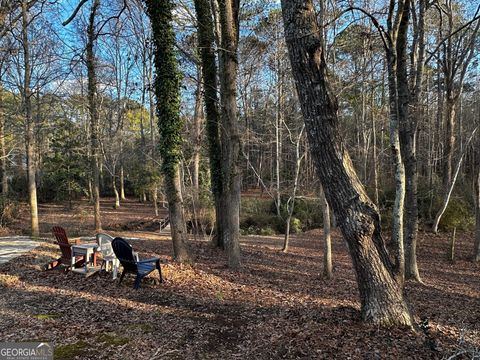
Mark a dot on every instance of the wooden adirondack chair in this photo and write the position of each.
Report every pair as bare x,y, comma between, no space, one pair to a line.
124,252
65,247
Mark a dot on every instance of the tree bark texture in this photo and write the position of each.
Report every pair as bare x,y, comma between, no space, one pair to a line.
177,218
327,245
3,150
408,137
92,104
229,130
29,125
170,124
122,183
476,250
398,103
381,296
206,40
197,133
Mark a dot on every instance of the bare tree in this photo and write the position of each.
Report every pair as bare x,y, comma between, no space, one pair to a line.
408,137
457,50
291,200
29,123
92,104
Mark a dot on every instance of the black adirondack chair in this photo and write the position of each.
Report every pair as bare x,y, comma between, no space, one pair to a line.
124,252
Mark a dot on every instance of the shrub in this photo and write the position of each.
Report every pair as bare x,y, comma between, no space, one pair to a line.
260,216
307,211
260,224
459,214
295,226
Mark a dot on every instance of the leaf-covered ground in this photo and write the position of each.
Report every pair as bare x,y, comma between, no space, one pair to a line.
277,306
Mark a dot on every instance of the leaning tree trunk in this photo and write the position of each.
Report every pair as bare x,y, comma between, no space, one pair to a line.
92,104
115,190
229,132
29,126
382,300
206,40
449,190
170,124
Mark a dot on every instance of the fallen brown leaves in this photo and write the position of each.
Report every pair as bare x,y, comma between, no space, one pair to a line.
277,306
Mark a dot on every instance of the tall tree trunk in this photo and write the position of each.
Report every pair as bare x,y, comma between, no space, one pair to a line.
229,131
291,200
449,142
177,219
29,125
398,104
374,158
197,133
122,183
408,135
92,104
3,149
327,239
206,40
167,91
381,296
278,135
476,251
155,199
115,190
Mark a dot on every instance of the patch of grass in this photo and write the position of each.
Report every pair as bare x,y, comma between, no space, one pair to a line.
111,338
145,327
46,316
70,351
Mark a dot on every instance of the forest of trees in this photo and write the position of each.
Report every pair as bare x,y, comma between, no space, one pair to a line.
370,109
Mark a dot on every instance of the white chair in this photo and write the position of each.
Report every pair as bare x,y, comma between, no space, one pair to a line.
104,242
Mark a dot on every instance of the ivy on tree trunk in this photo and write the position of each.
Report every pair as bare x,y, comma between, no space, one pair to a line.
170,124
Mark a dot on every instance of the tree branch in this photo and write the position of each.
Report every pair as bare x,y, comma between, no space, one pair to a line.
476,17
75,12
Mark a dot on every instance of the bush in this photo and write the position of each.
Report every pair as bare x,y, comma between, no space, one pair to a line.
459,214
260,216
260,224
295,226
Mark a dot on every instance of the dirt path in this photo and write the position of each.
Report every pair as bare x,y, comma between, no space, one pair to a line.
14,246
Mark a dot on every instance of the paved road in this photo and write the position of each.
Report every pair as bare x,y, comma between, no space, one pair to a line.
13,246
